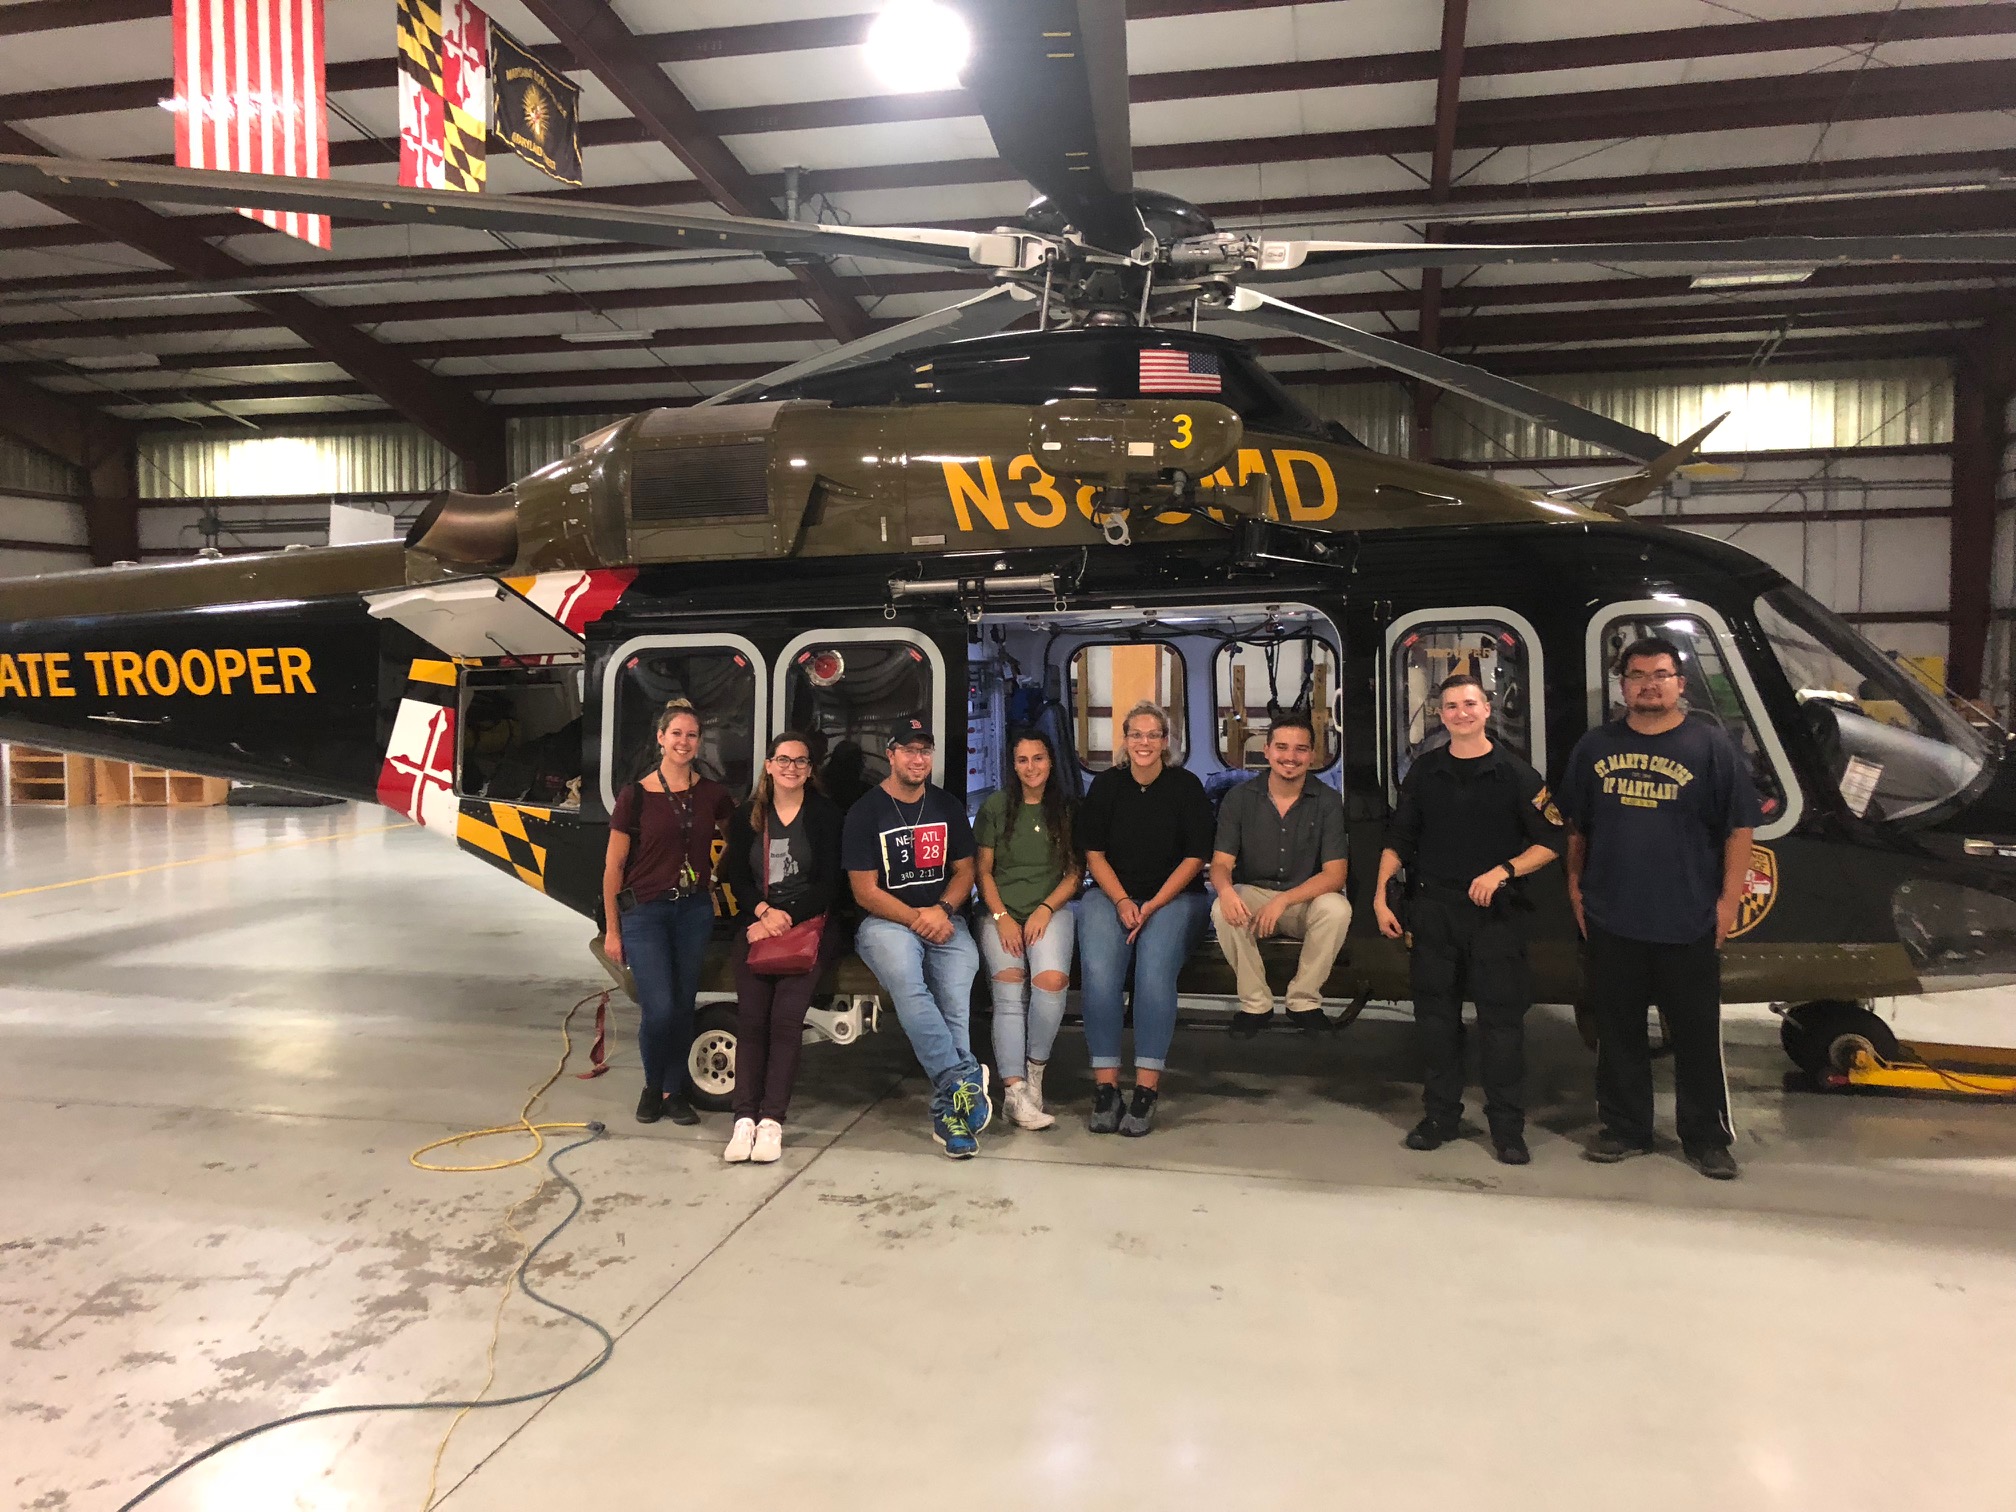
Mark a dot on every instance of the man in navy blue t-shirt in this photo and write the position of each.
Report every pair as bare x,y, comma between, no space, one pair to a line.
1661,810
908,853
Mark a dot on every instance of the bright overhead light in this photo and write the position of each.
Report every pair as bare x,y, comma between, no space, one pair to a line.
606,338
1749,278
917,45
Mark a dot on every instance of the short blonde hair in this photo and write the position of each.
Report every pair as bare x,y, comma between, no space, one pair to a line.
1154,711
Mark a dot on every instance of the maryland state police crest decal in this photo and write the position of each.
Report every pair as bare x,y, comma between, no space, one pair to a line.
1760,890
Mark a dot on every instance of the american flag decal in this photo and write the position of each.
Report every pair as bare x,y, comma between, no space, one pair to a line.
1166,370
249,96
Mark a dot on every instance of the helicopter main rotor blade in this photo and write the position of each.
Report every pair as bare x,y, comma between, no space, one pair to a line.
1050,78
50,176
1458,377
1300,259
982,315
309,278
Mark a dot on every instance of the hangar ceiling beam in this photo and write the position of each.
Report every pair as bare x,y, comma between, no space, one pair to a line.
596,36
100,446
439,406
1984,388
1806,33
1441,173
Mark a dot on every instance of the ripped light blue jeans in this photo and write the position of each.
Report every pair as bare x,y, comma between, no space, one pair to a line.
1026,1016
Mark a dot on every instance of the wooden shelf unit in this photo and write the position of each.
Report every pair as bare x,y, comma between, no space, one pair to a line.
58,779
54,779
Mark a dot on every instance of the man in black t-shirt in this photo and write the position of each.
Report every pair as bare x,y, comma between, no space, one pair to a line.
908,853
1473,819
1662,809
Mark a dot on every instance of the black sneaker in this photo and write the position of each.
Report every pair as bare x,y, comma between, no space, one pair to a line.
1107,1106
1141,1116
1607,1149
1246,1025
1512,1150
1429,1135
1309,1020
1714,1161
651,1106
679,1110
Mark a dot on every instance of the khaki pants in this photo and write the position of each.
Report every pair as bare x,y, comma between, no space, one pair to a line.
1319,924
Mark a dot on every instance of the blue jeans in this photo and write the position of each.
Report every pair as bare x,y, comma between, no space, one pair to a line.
1164,944
1026,1017
932,987
665,944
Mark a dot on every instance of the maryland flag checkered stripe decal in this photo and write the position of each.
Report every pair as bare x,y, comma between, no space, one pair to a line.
444,94
510,838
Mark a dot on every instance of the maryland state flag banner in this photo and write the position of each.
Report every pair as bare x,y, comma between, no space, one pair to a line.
444,94
538,109
249,96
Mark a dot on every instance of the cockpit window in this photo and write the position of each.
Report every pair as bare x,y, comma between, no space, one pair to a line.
1891,745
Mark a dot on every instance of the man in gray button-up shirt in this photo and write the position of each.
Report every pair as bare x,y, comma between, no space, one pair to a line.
1278,868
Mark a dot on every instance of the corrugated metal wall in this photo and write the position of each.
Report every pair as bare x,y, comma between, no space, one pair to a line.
381,458
24,469
533,441
1807,409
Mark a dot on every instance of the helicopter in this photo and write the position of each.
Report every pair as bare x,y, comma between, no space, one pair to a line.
1009,528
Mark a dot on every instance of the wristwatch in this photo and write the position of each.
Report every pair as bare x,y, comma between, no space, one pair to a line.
998,917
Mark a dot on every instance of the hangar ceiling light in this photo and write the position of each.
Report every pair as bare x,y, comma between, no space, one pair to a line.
1750,278
916,45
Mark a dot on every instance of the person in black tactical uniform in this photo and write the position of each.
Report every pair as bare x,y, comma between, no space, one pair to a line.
1473,819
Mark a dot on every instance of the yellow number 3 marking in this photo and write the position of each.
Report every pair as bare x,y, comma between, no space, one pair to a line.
1182,432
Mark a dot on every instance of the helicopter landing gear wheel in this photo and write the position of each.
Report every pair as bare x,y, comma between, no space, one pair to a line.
1822,1037
710,1064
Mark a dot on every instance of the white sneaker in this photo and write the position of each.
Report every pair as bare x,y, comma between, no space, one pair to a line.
1024,1111
741,1141
769,1141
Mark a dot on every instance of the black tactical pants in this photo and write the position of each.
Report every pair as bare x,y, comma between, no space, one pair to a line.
1463,951
1626,978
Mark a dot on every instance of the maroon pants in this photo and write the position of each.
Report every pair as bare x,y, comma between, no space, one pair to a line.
770,1028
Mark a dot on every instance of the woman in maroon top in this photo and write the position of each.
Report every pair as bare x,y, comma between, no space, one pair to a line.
658,899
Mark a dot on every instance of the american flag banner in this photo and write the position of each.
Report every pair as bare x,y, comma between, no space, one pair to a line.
1166,370
444,94
249,96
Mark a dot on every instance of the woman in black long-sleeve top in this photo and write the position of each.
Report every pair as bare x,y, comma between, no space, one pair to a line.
783,867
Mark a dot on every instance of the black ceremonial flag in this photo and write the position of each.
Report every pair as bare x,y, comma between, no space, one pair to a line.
538,109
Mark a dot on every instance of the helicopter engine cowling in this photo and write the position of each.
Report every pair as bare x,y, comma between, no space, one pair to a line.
803,477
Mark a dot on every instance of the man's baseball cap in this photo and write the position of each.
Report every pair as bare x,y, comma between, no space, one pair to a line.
912,729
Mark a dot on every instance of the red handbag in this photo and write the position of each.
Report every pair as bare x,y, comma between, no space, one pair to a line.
794,952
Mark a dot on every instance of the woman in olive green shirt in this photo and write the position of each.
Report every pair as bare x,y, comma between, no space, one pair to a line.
1028,876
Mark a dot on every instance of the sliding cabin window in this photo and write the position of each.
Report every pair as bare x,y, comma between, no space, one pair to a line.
722,677
851,691
1108,680
520,735
1266,675
1493,645
1719,691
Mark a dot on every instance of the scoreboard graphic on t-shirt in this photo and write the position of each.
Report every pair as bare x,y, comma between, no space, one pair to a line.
915,853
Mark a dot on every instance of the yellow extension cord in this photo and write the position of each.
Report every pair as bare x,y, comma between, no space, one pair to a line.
538,1131
524,1125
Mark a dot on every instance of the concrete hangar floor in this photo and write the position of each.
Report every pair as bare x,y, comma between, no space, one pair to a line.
211,1075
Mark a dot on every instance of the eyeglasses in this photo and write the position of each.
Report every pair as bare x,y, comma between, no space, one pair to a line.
795,763
1638,679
